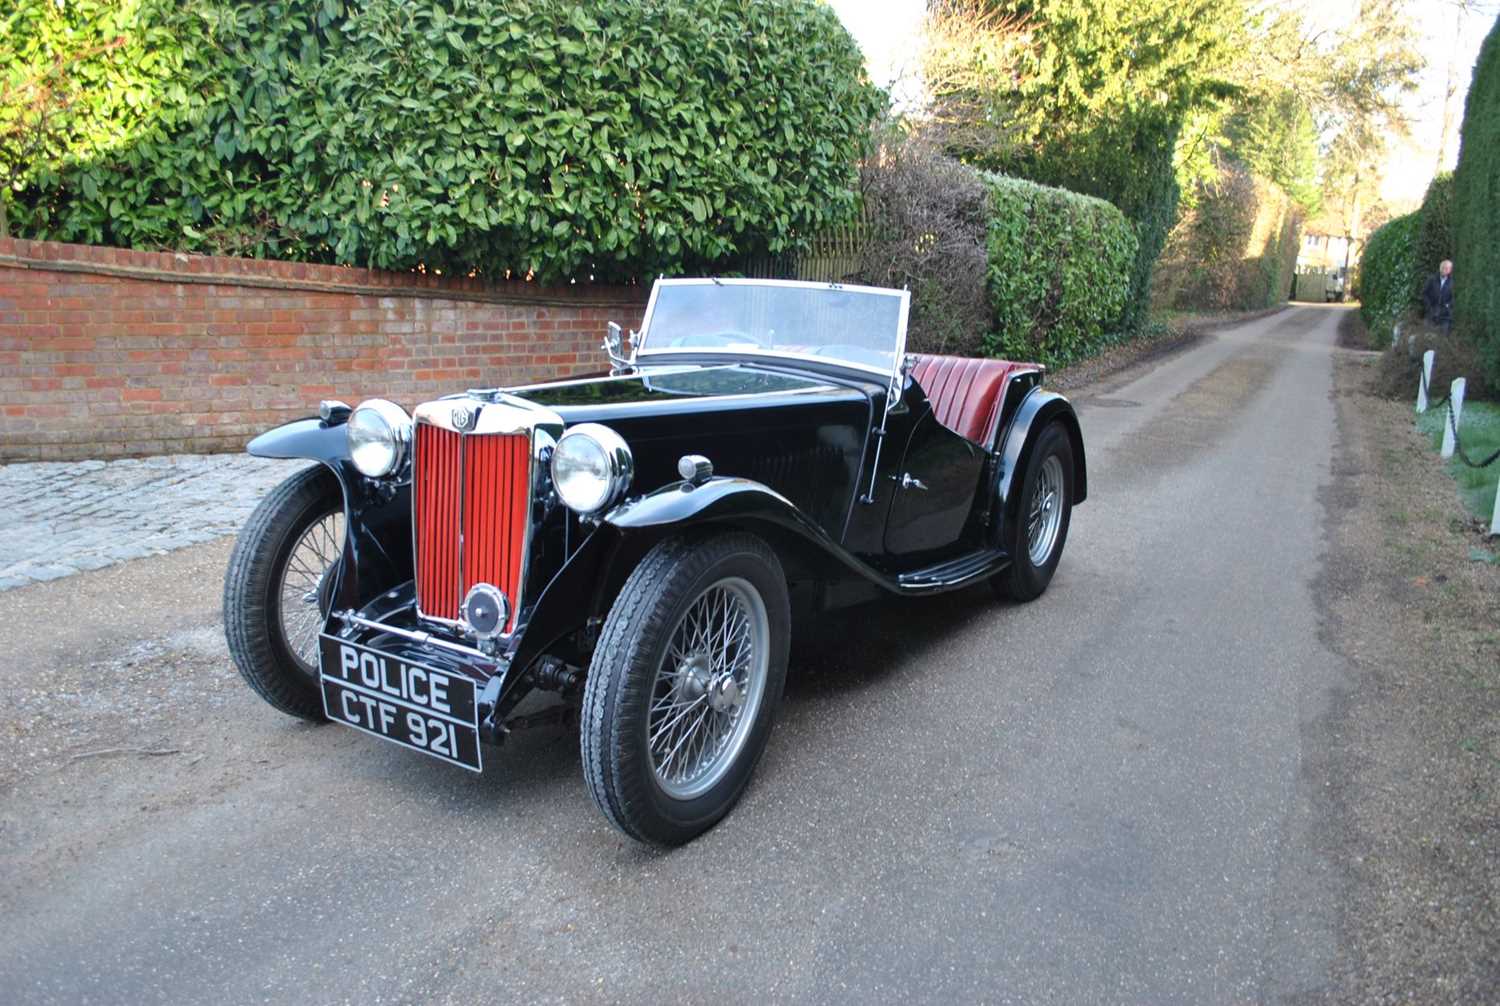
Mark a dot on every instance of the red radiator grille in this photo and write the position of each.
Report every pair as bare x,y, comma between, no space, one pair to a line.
477,485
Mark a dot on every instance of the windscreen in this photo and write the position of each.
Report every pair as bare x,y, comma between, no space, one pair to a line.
859,326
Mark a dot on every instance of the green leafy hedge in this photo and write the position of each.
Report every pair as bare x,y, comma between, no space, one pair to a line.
612,138
1435,232
77,80
1235,249
1060,270
1476,210
1389,276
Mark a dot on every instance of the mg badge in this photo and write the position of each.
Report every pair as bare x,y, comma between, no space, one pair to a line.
463,417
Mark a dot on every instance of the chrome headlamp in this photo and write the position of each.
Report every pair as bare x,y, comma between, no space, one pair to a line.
591,467
379,437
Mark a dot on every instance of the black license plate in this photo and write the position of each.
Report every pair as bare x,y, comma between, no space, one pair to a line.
435,712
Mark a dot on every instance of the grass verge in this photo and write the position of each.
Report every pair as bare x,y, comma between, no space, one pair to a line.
1479,433
1409,773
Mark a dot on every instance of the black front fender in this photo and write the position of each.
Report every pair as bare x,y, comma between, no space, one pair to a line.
377,513
312,439
593,574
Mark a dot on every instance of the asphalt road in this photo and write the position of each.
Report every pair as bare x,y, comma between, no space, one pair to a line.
1095,798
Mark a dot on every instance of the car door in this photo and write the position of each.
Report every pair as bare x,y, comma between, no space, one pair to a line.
935,486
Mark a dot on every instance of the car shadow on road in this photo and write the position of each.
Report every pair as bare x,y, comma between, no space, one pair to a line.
856,648
833,655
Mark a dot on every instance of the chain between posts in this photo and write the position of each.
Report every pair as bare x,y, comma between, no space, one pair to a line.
1458,446
1427,391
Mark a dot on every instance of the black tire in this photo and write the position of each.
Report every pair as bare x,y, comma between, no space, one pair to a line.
252,603
617,759
1025,579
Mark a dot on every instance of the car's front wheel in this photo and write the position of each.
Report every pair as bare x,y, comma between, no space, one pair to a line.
277,589
1035,540
684,684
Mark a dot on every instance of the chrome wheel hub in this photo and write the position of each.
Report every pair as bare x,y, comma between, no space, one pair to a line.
696,673
1044,511
725,694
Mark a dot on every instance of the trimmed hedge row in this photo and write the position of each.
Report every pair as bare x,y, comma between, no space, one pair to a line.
926,215
1435,232
1388,276
1234,250
1476,211
1061,269
1399,257
612,138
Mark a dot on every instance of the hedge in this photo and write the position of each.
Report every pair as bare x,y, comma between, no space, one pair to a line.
1060,270
1234,250
1435,232
1476,210
605,138
1128,161
1389,276
926,215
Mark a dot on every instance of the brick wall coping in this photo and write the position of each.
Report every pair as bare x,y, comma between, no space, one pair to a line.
179,267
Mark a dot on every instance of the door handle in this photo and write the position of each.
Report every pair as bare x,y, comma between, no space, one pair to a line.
908,482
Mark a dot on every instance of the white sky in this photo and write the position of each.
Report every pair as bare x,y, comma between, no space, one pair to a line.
889,32
1451,36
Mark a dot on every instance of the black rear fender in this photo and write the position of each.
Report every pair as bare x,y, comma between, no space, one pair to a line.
1037,411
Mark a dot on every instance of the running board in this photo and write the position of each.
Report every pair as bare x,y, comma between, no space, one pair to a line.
955,572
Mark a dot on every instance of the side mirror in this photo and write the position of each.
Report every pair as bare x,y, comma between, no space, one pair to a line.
614,348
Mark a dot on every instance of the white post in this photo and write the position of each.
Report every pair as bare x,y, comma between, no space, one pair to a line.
1427,359
1395,334
1456,412
1495,521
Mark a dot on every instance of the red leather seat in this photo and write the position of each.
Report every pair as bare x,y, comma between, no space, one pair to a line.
965,393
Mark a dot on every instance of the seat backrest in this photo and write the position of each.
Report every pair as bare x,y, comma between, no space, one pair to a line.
965,392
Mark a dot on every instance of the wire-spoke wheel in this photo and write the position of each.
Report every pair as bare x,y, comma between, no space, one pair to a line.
304,583
276,592
708,688
684,684
1034,537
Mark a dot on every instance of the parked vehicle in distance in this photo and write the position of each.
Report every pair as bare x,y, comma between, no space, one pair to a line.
638,541
1334,285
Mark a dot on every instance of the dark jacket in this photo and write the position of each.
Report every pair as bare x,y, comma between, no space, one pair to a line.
1437,298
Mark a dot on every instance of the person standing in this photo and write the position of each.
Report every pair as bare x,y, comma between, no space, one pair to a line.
1437,298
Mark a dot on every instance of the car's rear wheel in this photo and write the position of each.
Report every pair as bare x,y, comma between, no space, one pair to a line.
277,590
684,684
1035,538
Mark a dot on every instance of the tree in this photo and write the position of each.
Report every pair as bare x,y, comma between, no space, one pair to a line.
1276,139
1087,95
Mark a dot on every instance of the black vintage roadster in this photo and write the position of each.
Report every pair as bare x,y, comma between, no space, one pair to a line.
641,542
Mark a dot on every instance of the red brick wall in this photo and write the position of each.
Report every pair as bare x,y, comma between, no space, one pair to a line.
107,352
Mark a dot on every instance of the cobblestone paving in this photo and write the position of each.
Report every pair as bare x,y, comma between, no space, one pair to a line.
60,518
